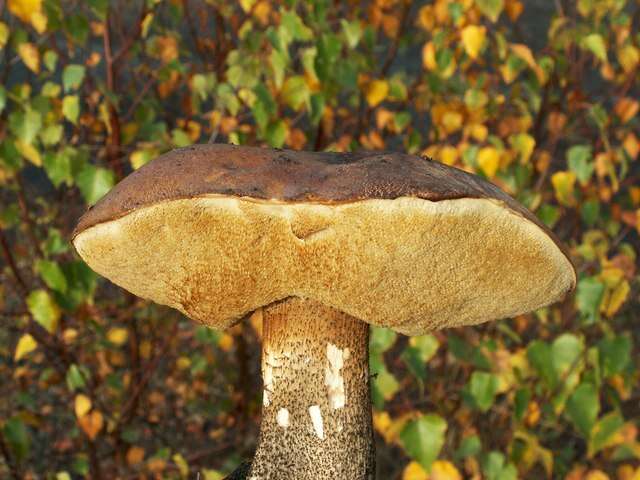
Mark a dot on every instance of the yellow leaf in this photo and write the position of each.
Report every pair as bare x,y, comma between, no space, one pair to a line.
376,91
39,22
508,74
247,5
563,185
383,118
429,56
29,11
489,160
135,455
448,155
29,152
514,9
225,342
4,34
473,37
117,335
451,121
426,18
443,470
616,298
91,424
141,157
30,56
82,405
626,108
524,144
478,131
145,24
596,475
629,57
627,472
414,471
631,145
182,363
69,335
181,463
167,48
25,346
524,53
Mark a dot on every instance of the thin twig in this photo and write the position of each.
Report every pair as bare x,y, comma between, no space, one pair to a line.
6,250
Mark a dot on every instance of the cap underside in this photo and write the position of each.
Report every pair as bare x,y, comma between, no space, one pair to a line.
410,264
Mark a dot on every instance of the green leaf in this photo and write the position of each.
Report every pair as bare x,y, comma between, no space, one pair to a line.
426,345
548,214
466,352
94,182
55,243
539,354
352,32
295,92
614,354
469,447
81,465
521,402
595,43
17,437
76,378
44,309
82,282
3,98
589,294
72,76
603,432
276,133
386,384
71,108
180,138
491,8
58,167
294,27
51,135
50,60
25,125
329,47
317,108
411,356
381,339
581,163
583,407
279,62
495,467
565,351
423,438
52,275
590,212
78,27
483,387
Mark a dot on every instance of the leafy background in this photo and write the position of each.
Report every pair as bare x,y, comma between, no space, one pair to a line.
540,97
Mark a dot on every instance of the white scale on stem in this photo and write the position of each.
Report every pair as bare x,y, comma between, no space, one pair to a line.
333,378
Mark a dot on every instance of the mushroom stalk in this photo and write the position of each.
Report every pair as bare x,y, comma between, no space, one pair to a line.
316,417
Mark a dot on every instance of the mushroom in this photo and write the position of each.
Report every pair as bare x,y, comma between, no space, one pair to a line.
321,245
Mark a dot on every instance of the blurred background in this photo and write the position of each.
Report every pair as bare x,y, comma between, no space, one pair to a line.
539,97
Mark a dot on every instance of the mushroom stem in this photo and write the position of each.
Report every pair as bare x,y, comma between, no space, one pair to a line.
316,417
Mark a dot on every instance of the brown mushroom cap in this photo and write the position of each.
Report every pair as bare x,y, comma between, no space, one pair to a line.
217,231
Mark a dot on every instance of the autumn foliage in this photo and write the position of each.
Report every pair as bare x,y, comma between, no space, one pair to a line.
540,97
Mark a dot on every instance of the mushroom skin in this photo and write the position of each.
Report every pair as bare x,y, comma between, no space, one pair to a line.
316,417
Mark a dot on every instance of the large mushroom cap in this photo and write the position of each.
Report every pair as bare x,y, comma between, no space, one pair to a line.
217,231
